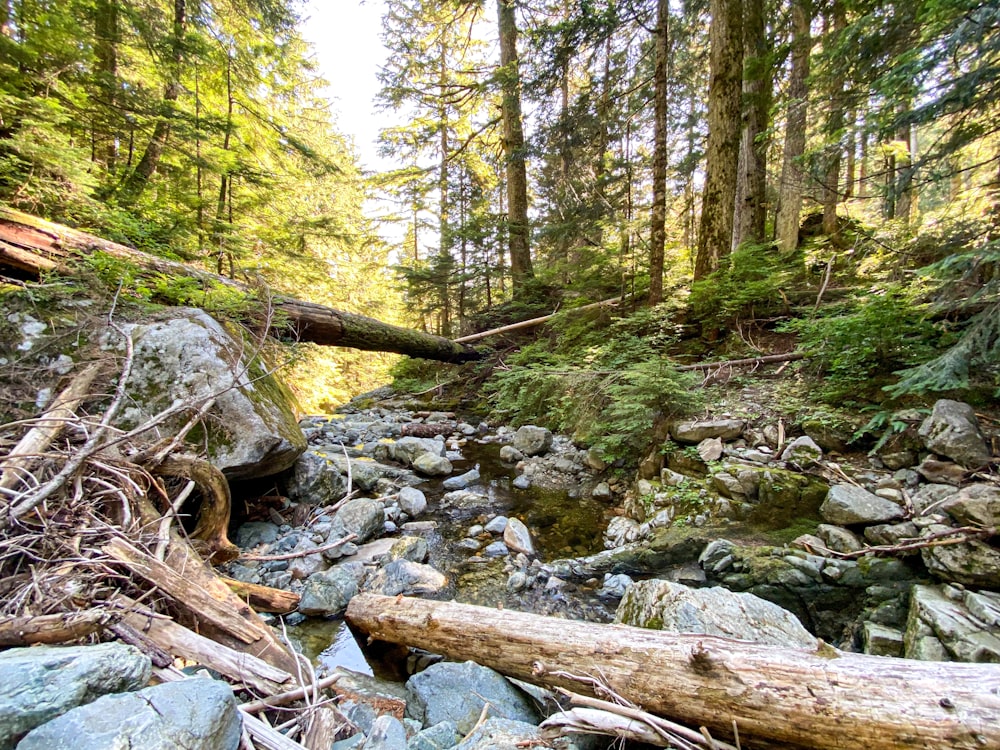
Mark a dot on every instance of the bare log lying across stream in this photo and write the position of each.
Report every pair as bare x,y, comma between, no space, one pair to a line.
32,246
822,699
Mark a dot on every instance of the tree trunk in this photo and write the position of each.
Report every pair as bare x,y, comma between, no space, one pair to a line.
758,72
518,229
723,152
30,245
836,21
658,211
801,698
792,178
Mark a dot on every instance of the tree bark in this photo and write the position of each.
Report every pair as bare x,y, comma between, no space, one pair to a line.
715,238
518,229
836,21
30,245
824,699
59,628
658,211
792,178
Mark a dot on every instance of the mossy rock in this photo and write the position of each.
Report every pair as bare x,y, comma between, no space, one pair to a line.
785,498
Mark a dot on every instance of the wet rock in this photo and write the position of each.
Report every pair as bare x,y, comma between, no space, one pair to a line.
522,482
847,504
441,736
496,525
412,548
621,531
42,682
662,605
405,577
412,501
964,636
838,538
517,537
694,432
802,451
880,640
496,549
501,734
975,505
462,480
432,466
255,533
532,440
973,563
952,430
449,691
327,593
194,714
463,500
316,480
510,454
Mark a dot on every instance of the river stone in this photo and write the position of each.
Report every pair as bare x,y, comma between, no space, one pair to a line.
328,592
717,556
662,605
406,450
975,505
965,636
496,549
531,440
194,714
847,504
601,491
802,451
39,683
362,516
405,577
973,563
432,466
694,432
442,736
495,526
413,548
412,501
462,480
315,479
449,691
250,431
387,733
254,533
952,430
517,537
502,734
366,472
521,482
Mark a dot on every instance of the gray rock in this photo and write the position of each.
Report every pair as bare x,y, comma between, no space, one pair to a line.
601,491
838,538
891,533
728,486
717,556
316,479
614,586
881,640
327,593
254,533
710,449
194,714
802,451
964,636
462,480
496,549
510,454
501,734
532,440
42,682
412,501
432,466
713,611
406,450
441,736
496,525
365,472
517,537
362,516
250,431
412,548
449,691
405,577
521,482
694,432
975,505
846,504
952,430
984,606
929,497
305,565
388,733
973,563
463,500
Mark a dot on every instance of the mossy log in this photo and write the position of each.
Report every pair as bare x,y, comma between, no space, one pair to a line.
799,698
30,246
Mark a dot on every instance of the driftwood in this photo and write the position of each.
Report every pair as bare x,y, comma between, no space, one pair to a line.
264,598
33,246
824,699
530,323
58,628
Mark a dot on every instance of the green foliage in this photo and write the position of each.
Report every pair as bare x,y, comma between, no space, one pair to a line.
857,345
747,284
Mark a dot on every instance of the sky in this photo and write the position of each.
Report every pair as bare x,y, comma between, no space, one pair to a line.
349,51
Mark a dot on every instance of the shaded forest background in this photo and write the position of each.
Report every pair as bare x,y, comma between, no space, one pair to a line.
736,171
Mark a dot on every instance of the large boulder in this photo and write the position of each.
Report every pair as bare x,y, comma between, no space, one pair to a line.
40,683
195,714
663,605
693,433
952,430
977,504
972,563
517,537
406,450
328,592
531,440
449,691
250,431
406,577
953,622
316,479
847,504
432,466
363,516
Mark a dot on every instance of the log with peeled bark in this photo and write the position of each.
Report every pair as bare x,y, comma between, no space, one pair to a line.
31,246
823,699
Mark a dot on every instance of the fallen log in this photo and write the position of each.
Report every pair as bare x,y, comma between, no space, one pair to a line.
530,323
824,699
264,598
755,361
59,628
32,246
